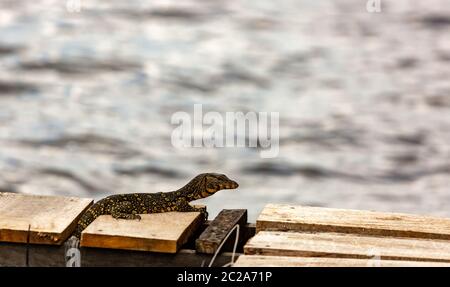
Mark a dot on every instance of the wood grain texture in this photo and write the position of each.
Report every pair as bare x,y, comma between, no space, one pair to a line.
98,257
158,232
284,217
286,261
339,245
51,218
218,229
14,254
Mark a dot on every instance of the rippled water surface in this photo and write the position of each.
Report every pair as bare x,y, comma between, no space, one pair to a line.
364,99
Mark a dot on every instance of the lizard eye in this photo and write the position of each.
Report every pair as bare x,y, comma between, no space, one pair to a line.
211,186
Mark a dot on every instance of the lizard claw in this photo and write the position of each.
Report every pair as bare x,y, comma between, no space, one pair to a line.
205,214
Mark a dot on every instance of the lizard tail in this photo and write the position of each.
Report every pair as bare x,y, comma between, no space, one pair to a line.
84,221
77,232
72,242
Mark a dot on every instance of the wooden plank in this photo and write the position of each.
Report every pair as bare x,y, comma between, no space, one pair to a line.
340,245
286,261
14,254
159,232
247,232
284,217
98,257
51,218
217,230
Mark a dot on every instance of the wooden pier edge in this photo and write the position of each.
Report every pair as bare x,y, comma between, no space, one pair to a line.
43,255
33,230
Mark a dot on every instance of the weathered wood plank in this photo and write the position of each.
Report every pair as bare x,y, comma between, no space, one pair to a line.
284,217
340,245
217,230
286,261
97,257
159,232
14,254
51,218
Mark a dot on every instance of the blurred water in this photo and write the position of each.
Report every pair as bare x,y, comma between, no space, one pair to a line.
364,99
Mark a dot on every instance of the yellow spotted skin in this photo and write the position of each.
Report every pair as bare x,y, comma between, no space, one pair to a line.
129,206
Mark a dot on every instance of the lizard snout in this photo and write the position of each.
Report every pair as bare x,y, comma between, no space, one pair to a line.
231,185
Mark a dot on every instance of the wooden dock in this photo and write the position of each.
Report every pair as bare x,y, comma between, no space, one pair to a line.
34,230
293,235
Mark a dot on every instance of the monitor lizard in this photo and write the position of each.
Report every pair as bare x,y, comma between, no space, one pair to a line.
129,206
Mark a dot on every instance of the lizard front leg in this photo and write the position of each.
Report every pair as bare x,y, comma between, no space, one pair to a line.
184,206
124,210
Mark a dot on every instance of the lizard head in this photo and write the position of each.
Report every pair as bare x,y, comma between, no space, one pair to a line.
215,182
206,184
